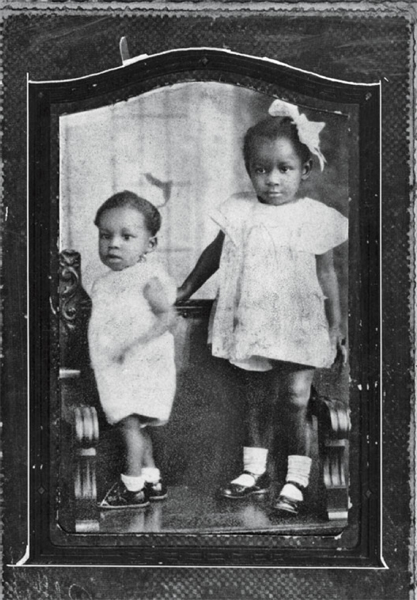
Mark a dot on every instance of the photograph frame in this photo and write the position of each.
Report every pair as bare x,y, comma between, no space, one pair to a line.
369,555
217,64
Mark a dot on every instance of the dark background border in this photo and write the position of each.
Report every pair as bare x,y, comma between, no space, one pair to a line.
363,48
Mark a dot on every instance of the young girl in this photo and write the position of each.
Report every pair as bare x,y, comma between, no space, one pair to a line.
277,310
131,348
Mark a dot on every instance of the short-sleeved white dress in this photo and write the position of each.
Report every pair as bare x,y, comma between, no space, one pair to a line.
144,382
270,304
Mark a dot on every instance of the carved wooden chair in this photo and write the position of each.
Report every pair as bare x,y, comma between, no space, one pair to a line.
80,418
79,423
333,419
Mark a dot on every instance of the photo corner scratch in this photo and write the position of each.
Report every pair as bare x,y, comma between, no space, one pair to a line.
125,54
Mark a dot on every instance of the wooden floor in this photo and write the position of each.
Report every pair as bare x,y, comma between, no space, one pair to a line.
196,507
191,510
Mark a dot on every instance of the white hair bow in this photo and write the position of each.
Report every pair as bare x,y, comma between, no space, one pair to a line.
308,131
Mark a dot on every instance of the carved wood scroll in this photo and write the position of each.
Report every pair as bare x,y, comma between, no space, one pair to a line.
333,430
80,429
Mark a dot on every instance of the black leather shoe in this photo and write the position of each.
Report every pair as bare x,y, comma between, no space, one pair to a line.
290,506
156,491
120,497
260,485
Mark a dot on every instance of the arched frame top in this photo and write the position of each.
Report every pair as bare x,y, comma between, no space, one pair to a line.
205,63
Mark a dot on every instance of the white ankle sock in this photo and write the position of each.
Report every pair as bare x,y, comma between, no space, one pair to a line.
292,492
298,471
133,484
151,474
254,460
244,479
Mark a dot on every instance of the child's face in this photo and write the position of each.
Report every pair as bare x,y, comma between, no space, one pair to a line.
276,170
123,238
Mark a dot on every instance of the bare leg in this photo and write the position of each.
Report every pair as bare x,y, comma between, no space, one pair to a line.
135,444
153,482
295,390
294,383
258,402
148,459
255,478
129,491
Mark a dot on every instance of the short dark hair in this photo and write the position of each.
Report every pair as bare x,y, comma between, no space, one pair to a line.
150,213
272,128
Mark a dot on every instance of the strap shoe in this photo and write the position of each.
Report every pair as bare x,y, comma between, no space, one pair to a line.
120,497
290,506
156,490
246,485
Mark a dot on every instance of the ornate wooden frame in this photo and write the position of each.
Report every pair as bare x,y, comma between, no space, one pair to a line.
49,99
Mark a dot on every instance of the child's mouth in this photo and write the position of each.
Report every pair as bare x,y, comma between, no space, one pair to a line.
274,197
113,257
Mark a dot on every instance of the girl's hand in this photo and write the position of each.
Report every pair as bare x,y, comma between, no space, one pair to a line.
206,266
183,293
338,343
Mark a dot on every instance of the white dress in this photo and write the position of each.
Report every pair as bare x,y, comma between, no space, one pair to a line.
270,304
144,382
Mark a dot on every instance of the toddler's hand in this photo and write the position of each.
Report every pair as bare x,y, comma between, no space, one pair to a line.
119,358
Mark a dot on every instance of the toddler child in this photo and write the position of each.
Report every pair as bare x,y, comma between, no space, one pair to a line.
131,347
277,313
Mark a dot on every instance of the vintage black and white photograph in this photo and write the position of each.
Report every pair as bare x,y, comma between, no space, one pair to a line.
205,344
208,224
207,364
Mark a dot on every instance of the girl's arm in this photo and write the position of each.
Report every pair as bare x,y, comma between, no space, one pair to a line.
206,266
328,281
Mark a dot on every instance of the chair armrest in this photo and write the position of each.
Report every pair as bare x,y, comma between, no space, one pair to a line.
333,419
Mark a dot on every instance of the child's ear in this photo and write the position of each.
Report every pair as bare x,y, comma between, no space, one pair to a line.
307,167
153,242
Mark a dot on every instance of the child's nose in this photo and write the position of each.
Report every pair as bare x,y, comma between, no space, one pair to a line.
114,242
274,176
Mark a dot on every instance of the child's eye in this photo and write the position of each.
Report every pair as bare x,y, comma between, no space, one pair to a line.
127,236
259,170
285,169
104,236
